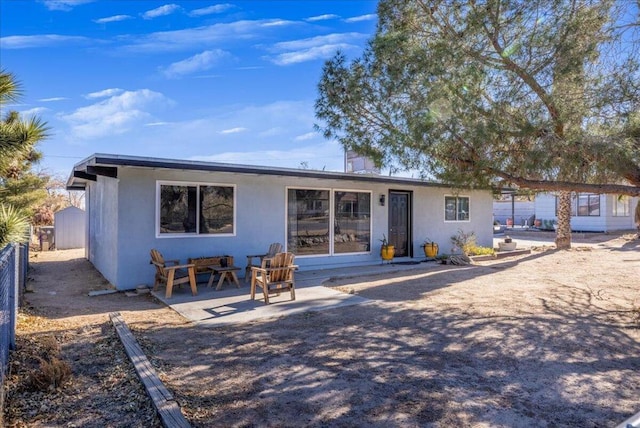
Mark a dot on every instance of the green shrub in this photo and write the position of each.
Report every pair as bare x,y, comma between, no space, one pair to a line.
14,225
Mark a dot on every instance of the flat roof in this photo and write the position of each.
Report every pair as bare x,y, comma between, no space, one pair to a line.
78,178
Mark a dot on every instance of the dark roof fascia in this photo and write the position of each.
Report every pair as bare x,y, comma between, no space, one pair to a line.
246,169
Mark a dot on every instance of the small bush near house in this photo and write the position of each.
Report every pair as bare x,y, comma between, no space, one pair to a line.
464,241
482,251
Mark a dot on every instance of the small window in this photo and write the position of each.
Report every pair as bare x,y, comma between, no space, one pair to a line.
621,206
456,208
195,209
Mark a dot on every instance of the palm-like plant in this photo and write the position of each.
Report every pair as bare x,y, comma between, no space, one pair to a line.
14,225
17,137
19,191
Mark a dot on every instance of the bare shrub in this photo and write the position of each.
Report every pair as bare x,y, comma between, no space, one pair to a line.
50,374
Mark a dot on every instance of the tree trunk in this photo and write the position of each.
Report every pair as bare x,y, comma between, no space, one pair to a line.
563,232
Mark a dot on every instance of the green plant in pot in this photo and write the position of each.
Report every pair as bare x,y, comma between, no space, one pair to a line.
387,251
430,248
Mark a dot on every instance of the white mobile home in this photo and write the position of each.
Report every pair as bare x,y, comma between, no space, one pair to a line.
590,212
195,209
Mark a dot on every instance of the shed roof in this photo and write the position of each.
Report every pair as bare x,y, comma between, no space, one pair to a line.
107,164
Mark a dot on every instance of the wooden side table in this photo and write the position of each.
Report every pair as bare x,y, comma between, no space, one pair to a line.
228,273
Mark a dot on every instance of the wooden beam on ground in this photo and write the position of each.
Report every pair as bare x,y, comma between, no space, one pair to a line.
162,398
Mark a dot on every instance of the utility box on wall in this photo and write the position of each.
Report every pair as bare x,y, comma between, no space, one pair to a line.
70,228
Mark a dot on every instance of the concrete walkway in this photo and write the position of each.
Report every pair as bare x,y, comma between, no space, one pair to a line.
233,305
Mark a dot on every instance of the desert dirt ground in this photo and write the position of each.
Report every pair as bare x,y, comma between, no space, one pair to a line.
547,339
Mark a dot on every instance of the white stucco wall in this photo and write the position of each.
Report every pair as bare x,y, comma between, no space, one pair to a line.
103,226
260,220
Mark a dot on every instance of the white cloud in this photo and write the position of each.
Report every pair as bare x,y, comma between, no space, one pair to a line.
327,155
157,123
114,115
114,18
311,54
329,39
34,111
233,130
216,8
320,47
322,17
40,41
64,5
203,36
52,99
104,93
272,132
199,62
307,136
368,17
167,9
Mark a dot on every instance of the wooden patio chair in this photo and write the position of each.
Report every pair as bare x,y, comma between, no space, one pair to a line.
274,249
171,273
274,276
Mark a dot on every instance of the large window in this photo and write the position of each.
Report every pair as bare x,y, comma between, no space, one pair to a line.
588,205
310,215
352,231
195,209
456,208
308,221
621,206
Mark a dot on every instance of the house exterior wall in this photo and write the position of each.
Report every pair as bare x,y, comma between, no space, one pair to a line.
522,211
69,228
102,214
545,205
260,220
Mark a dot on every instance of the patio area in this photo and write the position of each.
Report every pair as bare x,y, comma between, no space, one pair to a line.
233,305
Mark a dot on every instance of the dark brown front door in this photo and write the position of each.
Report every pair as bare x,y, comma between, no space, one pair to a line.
399,233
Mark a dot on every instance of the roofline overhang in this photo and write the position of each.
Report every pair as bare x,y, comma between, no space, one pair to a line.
99,161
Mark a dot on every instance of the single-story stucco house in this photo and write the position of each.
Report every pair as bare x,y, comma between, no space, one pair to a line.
196,209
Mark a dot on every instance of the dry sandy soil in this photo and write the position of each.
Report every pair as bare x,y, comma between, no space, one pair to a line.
547,339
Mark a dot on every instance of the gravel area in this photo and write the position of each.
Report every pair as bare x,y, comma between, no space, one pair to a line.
546,339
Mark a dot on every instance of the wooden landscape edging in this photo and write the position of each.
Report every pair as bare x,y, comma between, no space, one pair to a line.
163,400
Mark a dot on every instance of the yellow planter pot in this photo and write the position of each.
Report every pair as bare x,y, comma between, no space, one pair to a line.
431,250
387,252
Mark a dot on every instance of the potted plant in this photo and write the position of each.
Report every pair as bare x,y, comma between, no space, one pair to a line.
387,250
430,248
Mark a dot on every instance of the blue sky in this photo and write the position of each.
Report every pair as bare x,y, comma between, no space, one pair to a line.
226,82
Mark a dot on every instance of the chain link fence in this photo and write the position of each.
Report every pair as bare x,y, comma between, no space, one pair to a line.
13,279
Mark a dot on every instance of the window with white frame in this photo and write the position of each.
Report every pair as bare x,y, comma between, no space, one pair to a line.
456,208
621,206
195,209
325,222
588,205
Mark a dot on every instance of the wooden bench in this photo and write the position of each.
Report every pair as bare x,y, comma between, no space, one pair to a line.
203,264
222,265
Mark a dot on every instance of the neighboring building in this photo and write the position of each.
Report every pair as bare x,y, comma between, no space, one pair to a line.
590,212
70,228
194,209
522,211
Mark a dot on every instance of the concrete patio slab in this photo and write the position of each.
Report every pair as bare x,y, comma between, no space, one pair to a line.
233,305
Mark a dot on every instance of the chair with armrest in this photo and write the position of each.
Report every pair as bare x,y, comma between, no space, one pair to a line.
275,276
171,273
274,248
